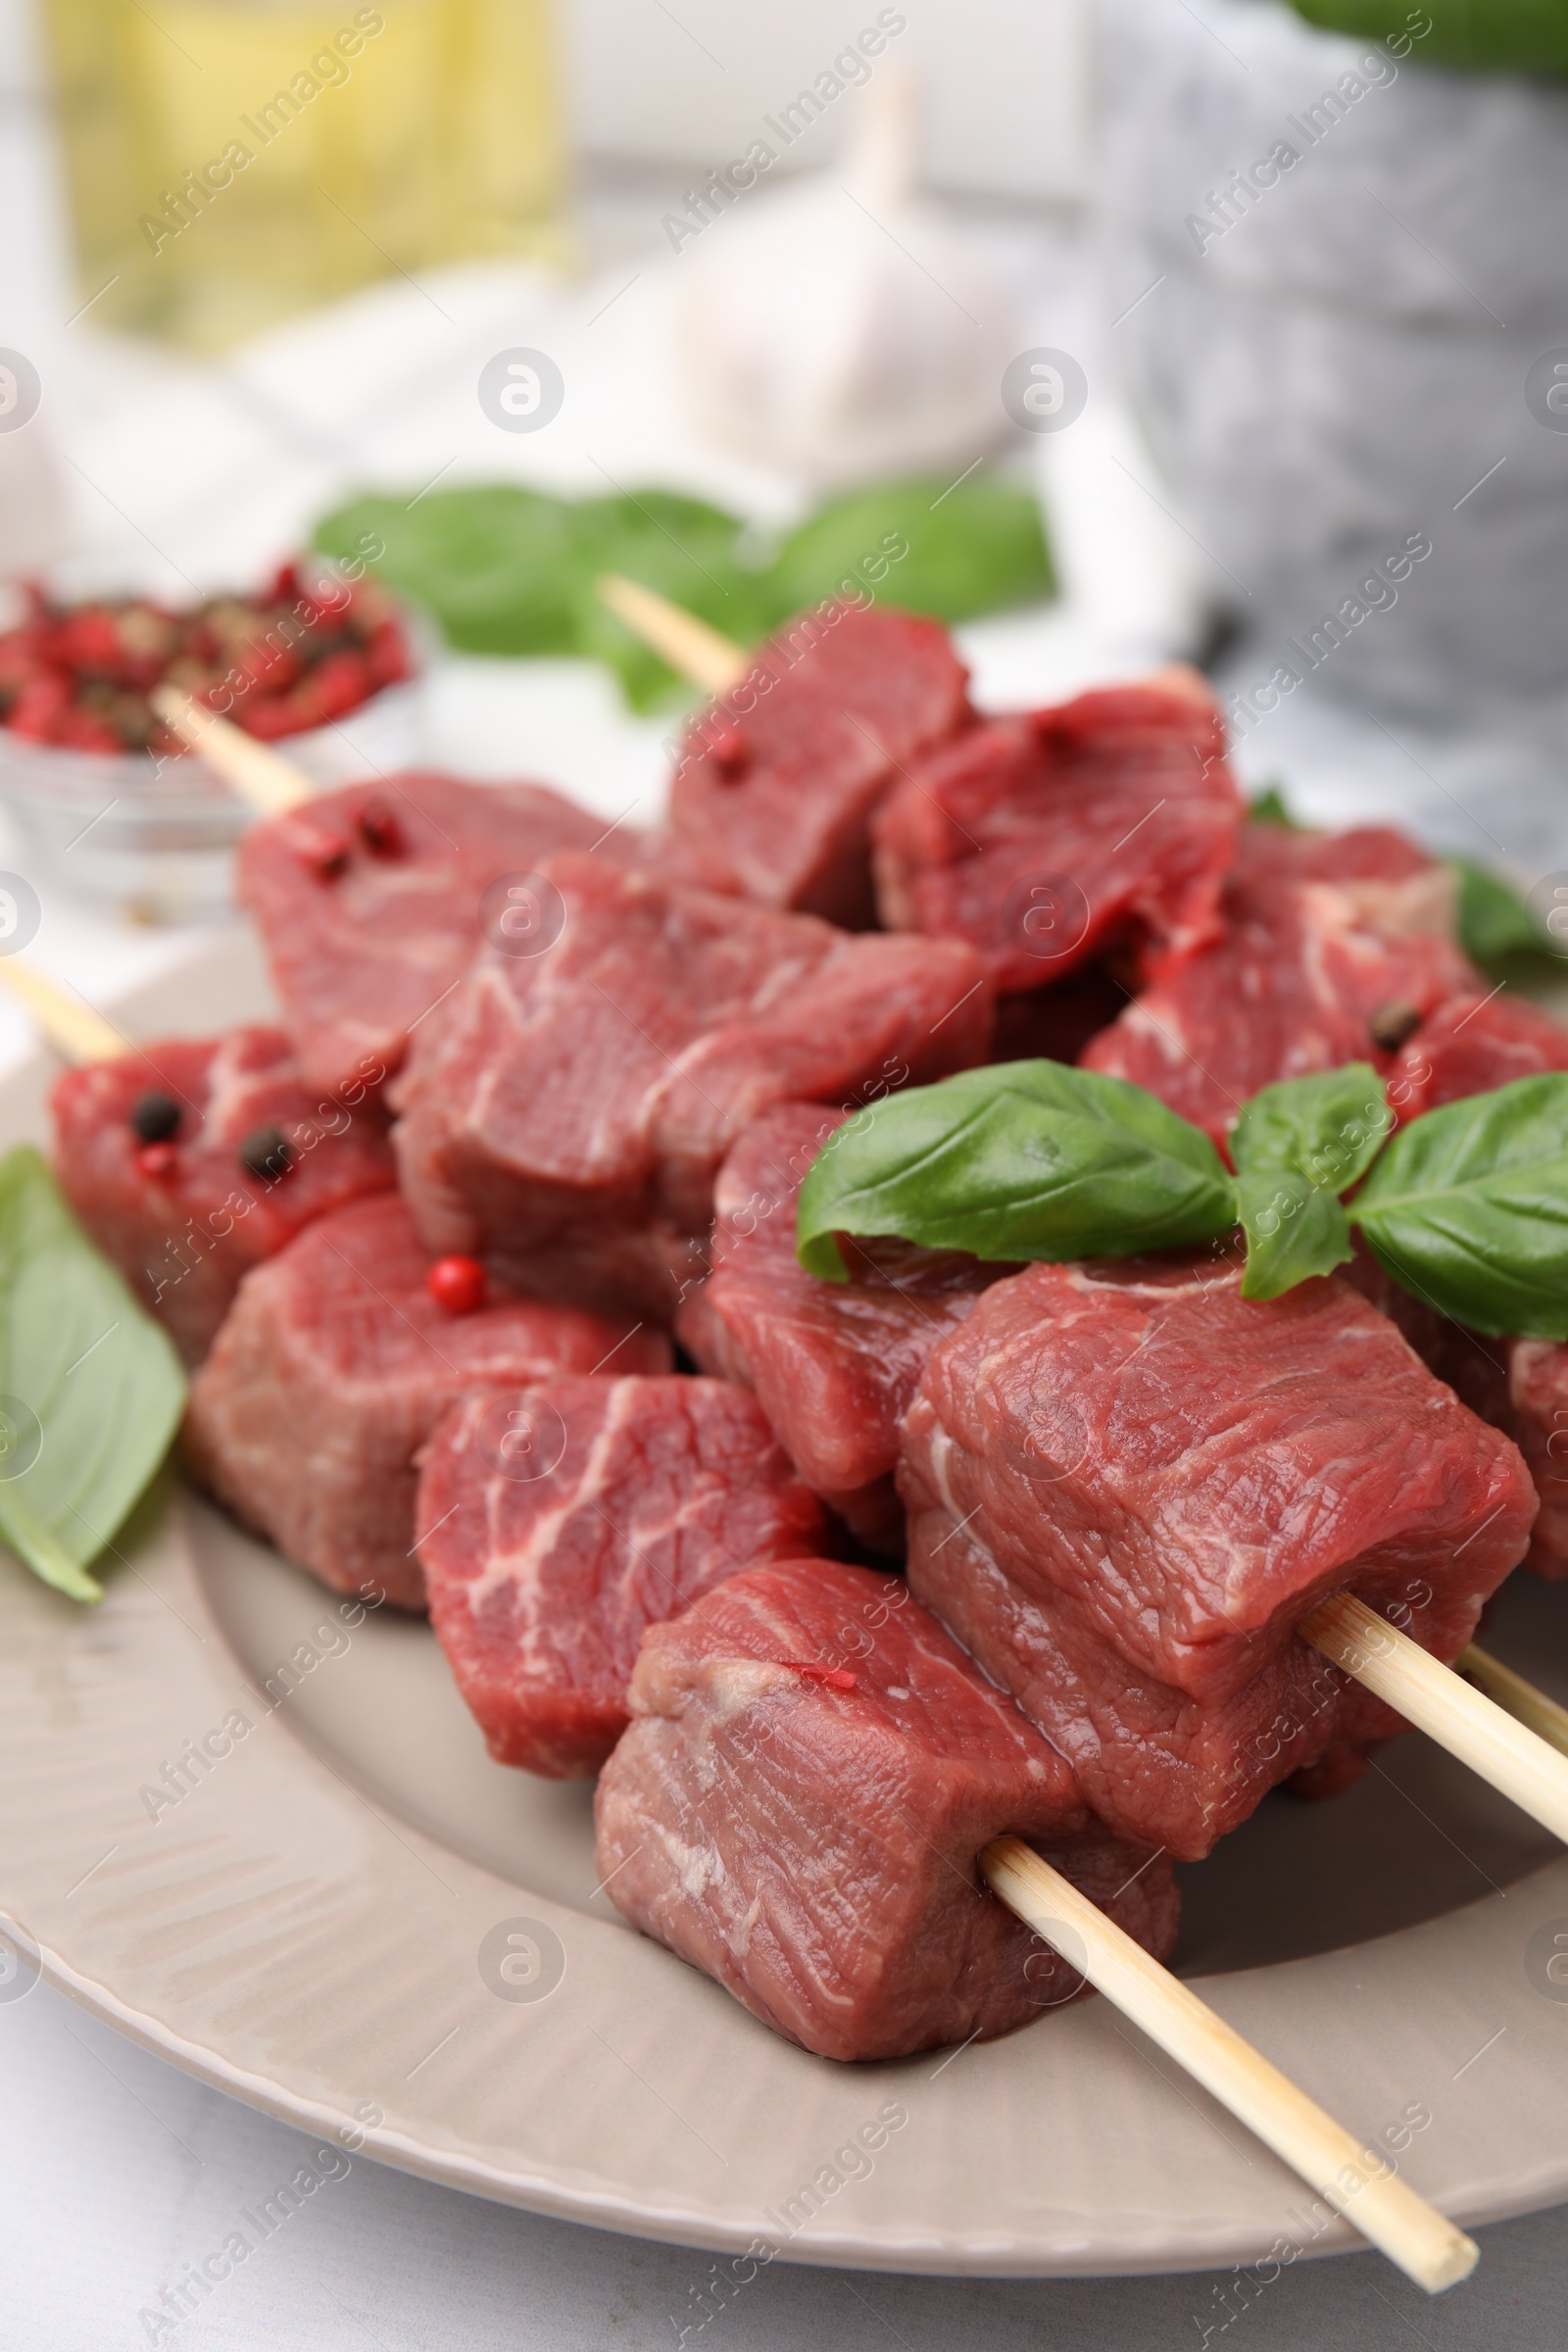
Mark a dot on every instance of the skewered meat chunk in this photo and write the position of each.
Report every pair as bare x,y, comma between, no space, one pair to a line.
813,1845
565,1112
834,1365
1537,1418
1046,839
332,1370
774,784
1468,1047
1335,947
1127,1486
368,900
192,1159
565,1518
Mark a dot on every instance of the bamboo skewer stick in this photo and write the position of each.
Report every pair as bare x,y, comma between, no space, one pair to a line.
691,648
1429,2248
1516,1696
251,771
1441,1704
76,1033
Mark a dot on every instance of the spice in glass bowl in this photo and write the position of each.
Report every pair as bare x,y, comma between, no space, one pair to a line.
298,655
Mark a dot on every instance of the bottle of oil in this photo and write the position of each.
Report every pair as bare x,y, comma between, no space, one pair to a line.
233,160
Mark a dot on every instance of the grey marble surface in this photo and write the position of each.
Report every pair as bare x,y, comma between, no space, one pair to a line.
118,2175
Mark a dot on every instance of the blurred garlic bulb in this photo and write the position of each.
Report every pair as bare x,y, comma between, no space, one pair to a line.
840,330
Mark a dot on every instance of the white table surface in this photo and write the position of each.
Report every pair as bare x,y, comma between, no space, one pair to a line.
117,2172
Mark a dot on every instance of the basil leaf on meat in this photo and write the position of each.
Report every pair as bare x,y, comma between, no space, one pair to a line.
1468,1208
1293,1229
1329,1127
1298,1145
91,1389
1026,1159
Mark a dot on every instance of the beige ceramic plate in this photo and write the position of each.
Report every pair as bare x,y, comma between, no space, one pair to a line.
356,1922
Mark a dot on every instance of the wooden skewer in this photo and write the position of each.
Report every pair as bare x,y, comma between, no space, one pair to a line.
76,1033
1516,1696
692,649
251,771
1441,1704
1429,2248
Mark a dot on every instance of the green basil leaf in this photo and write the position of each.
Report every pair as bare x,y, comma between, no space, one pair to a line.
1328,1127
1493,920
1468,1208
1293,1229
1269,808
952,553
504,569
509,570
1026,1159
496,565
1505,36
91,1389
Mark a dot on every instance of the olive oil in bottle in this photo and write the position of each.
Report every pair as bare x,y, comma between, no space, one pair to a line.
231,162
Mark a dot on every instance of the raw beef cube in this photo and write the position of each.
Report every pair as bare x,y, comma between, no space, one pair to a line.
1470,1045
834,1365
332,1370
1046,839
192,1159
1467,1047
1519,1386
813,1845
1335,947
566,1518
370,900
1538,1418
1380,863
1127,1486
564,1113
1476,1368
775,782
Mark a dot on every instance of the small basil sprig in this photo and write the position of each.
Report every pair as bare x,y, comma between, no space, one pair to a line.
1467,1207
1298,1145
90,1389
1023,1159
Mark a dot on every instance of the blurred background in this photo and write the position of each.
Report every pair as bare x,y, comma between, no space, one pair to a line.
1145,329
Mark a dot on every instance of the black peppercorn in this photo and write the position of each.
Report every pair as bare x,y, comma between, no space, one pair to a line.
267,1151
155,1118
1391,1024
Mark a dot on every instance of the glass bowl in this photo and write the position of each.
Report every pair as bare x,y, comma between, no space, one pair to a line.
156,837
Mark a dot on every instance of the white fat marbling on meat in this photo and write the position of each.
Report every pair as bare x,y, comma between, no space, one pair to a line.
698,1867
232,1080
729,1685
516,1567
